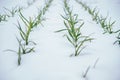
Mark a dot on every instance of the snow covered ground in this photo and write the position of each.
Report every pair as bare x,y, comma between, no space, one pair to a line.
51,59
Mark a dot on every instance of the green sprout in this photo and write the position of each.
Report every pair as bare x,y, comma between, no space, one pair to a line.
22,49
30,24
74,35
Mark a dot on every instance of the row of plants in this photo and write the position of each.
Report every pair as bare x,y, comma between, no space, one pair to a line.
72,23
14,10
25,44
73,27
106,23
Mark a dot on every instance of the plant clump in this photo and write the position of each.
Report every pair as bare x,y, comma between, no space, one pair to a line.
74,35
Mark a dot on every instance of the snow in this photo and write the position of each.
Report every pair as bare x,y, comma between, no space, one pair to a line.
51,59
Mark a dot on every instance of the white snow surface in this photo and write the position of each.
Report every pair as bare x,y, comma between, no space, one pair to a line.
51,60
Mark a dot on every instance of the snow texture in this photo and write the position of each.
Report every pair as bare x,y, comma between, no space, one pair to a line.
51,59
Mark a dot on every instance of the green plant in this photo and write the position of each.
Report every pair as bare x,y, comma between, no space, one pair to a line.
30,24
24,41
3,18
84,5
40,17
19,52
25,44
47,5
74,35
22,49
105,23
9,13
42,11
108,26
118,39
94,13
13,11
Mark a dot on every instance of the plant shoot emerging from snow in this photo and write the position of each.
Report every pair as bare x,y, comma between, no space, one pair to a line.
74,34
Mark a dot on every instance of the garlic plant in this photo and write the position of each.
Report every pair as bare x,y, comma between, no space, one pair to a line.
74,35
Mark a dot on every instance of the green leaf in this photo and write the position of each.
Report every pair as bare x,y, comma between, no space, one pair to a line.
29,50
70,40
61,30
81,49
24,19
19,56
